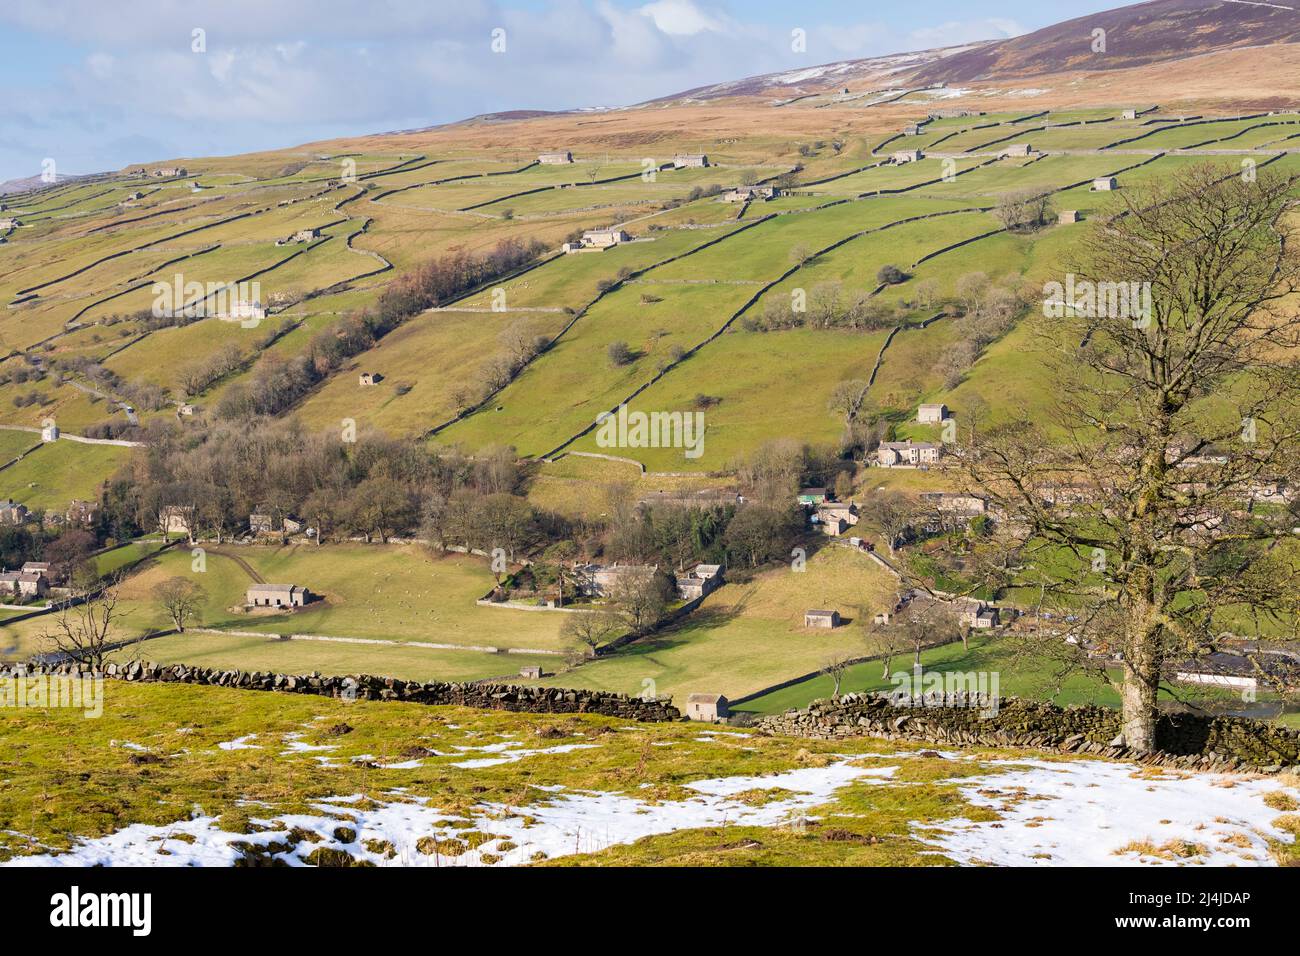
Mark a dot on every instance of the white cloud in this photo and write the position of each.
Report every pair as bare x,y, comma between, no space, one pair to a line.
681,17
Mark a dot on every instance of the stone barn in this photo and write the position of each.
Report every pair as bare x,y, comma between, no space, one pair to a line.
826,619
1105,185
277,595
710,708
531,672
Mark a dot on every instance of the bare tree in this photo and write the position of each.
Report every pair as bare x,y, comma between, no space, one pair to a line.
893,512
83,630
181,599
590,630
641,596
834,667
1131,506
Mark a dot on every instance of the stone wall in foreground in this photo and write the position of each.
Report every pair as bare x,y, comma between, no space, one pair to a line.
531,700
1185,740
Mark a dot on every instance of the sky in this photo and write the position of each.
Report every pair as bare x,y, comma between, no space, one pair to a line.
96,85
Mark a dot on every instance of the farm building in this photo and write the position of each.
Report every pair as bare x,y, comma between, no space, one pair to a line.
243,309
555,159
368,378
1105,184
750,193
831,524
709,708
827,619
277,595
135,195
1069,216
531,672
690,161
932,414
604,238
24,584
979,617
913,130
907,454
1219,670
597,580
700,580
905,156
813,496
1130,114
1019,149
9,223
167,171
306,235
50,432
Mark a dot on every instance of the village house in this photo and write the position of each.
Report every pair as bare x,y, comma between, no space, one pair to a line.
175,519
907,454
834,517
24,584
904,156
978,616
1105,184
277,595
81,513
1019,149
932,414
690,161
826,619
708,708
1068,216
701,580
560,158
531,672
11,512
831,525
750,193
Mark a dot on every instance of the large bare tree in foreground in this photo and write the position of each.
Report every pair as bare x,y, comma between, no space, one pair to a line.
85,629
1135,511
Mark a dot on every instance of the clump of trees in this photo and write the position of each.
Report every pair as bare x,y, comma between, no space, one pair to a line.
828,306
1024,210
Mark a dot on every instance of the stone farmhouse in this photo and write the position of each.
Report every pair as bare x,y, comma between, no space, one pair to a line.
835,517
560,158
751,193
277,595
24,584
242,310
908,454
978,616
701,580
826,619
932,414
1105,184
598,239
709,708
598,580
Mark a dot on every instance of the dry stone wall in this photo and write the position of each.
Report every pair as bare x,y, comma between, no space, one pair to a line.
532,700
1185,740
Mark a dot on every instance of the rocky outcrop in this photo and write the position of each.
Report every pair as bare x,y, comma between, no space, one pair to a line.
1188,741
533,700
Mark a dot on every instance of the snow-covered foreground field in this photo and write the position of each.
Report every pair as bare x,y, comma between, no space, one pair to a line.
1051,813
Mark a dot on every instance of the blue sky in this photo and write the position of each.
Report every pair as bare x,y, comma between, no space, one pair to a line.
96,85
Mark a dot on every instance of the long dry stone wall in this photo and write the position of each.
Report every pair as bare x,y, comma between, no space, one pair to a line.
533,700
1185,740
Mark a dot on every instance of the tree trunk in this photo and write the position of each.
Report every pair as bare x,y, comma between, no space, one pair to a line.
1141,686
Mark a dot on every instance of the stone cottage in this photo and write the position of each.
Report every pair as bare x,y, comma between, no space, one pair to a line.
709,708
